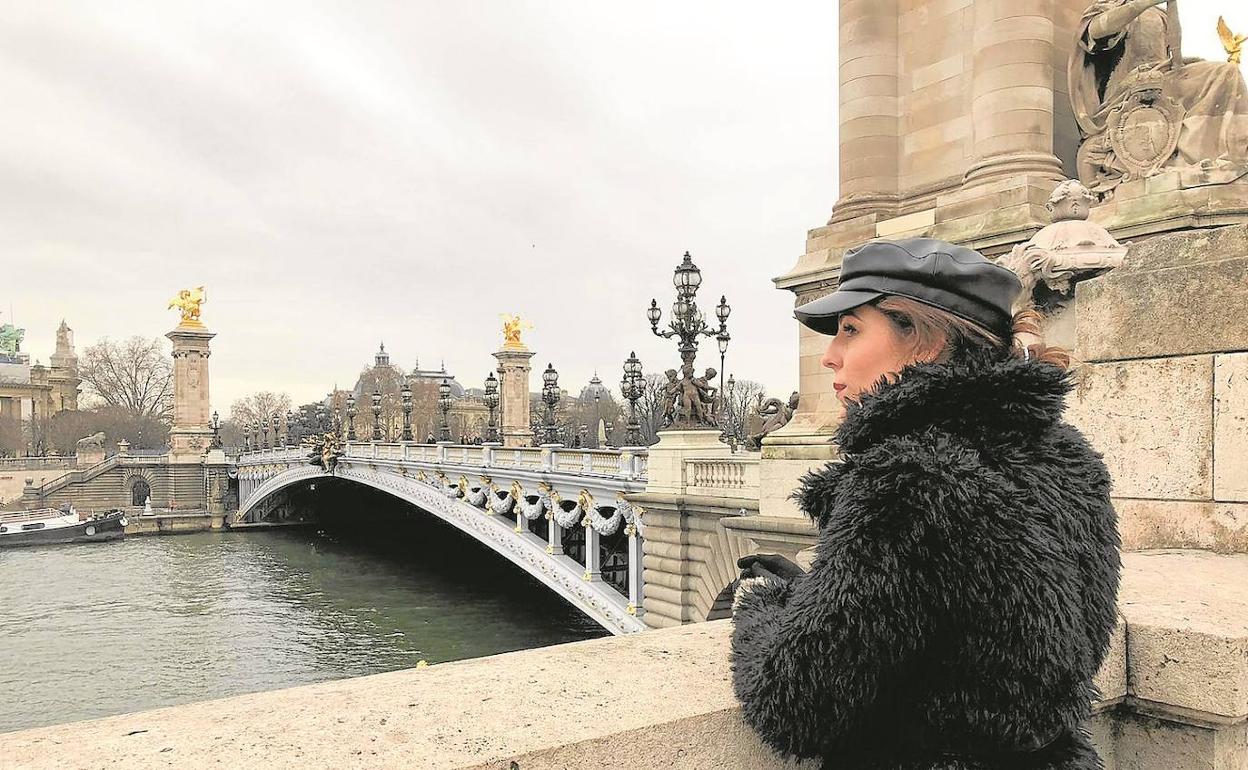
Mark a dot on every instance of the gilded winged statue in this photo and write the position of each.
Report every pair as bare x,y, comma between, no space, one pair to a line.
1233,43
188,302
512,326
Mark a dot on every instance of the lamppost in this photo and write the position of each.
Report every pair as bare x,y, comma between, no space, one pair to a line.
277,424
550,397
491,403
264,431
632,387
216,430
730,421
351,417
406,395
247,436
688,324
292,428
444,407
377,413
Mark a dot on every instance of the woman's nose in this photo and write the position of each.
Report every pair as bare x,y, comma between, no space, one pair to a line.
831,358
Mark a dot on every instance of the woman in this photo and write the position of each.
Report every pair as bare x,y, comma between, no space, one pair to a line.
963,590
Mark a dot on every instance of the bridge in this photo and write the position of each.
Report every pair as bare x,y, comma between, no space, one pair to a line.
559,514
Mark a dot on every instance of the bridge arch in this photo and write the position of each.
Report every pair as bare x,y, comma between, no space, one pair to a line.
560,573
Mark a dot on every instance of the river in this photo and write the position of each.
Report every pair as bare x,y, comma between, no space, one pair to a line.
97,629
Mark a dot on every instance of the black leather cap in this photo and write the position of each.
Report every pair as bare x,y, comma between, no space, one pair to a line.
940,274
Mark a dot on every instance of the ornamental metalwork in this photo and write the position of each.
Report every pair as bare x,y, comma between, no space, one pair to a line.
491,403
690,401
633,387
550,397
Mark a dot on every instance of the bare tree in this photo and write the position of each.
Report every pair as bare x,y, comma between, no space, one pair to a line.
740,413
135,374
260,406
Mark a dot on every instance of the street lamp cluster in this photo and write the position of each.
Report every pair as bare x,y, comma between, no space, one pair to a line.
688,324
550,397
633,387
491,403
444,408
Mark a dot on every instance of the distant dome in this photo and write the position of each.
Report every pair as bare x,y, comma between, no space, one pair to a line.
595,388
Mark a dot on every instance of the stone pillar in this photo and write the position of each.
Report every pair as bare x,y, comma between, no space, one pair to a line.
191,434
554,535
636,571
869,115
1012,94
593,568
513,391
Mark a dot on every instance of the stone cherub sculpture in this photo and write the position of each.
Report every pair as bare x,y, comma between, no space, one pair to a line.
1070,247
1143,108
776,414
188,302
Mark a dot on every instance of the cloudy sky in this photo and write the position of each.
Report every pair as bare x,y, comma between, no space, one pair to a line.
337,174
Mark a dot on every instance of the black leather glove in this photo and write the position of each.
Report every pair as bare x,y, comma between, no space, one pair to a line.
769,565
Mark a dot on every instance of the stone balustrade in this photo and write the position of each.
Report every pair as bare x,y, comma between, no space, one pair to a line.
722,477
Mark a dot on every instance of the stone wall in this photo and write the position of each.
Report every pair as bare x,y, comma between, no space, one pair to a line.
1163,387
1175,697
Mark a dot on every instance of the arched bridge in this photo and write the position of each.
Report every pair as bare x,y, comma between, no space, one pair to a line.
559,514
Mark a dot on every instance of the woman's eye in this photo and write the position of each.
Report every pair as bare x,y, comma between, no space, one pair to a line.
848,328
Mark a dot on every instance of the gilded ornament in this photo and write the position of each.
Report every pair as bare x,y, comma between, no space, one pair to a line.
512,327
1233,43
188,301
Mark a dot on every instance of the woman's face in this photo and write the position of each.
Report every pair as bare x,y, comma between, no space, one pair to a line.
866,347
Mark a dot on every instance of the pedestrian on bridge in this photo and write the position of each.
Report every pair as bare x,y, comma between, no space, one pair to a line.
963,589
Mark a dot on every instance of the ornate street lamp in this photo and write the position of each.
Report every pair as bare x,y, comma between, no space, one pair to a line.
277,424
292,428
730,422
688,324
377,413
216,430
491,403
444,407
264,431
351,417
632,387
550,397
406,395
246,436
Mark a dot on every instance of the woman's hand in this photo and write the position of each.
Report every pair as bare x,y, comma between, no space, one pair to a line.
769,565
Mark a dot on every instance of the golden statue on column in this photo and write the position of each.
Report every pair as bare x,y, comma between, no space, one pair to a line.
512,326
188,301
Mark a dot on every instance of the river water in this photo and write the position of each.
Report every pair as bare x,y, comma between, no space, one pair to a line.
97,629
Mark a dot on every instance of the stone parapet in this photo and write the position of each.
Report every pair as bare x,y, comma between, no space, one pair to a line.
1162,388
1173,690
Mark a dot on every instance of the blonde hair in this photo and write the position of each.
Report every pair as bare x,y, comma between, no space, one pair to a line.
940,334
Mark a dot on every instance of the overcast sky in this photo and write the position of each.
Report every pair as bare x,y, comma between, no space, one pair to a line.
337,174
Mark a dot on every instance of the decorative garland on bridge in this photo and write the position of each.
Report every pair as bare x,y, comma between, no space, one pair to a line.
533,507
501,500
568,513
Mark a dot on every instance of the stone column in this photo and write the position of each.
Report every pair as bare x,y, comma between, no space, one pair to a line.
1012,91
513,391
869,119
191,434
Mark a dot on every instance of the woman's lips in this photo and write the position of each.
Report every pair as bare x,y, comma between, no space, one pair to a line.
839,387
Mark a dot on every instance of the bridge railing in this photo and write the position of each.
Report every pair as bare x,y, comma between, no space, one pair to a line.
613,463
722,477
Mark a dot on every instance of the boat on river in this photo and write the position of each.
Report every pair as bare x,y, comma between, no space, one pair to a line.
59,525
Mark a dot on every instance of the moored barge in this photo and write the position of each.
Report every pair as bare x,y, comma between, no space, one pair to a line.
46,526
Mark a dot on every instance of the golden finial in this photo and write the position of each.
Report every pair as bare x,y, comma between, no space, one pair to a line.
188,302
512,326
1230,41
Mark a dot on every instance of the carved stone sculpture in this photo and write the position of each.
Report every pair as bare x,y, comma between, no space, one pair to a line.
776,414
1069,248
1143,108
689,402
512,328
92,443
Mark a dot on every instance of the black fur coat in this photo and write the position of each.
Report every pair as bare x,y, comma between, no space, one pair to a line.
964,586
